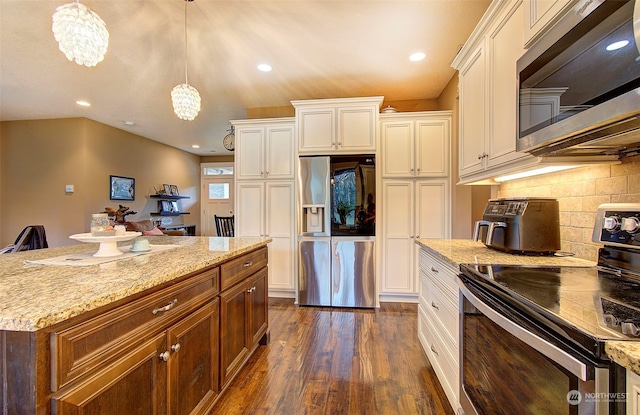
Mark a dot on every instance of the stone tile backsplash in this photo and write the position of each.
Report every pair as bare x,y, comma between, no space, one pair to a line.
579,192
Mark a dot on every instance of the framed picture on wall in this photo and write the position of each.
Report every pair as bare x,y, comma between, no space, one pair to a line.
122,188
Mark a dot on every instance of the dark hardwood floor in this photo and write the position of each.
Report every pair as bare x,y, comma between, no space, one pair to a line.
337,361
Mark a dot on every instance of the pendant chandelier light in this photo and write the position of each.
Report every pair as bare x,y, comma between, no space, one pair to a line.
185,98
81,34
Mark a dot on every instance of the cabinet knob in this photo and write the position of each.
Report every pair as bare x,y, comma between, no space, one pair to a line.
435,306
165,308
164,356
434,270
176,347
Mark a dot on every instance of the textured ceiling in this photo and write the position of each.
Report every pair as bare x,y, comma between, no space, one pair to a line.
318,49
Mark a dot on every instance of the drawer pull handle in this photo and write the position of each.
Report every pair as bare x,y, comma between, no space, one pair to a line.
434,270
165,308
248,264
164,356
433,349
176,347
435,306
252,289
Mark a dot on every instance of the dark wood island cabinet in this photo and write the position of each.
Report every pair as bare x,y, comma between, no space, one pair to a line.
169,349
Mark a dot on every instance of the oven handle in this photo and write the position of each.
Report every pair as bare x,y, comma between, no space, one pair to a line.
574,366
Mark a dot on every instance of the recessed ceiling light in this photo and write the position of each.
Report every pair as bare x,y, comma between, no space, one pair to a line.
418,56
617,45
83,103
195,146
264,67
129,123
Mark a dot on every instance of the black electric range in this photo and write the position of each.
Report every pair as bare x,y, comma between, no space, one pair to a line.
586,305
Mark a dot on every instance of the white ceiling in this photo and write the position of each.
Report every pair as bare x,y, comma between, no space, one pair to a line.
318,49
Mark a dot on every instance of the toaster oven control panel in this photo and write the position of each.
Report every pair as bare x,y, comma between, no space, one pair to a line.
502,208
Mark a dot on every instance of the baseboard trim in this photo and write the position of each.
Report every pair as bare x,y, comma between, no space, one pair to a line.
399,298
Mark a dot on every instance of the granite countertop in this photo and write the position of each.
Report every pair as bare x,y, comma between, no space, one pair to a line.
464,251
36,296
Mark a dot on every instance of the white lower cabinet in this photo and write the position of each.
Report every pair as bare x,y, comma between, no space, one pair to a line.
266,209
412,209
633,393
438,327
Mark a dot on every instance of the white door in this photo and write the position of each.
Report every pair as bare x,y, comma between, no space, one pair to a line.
217,196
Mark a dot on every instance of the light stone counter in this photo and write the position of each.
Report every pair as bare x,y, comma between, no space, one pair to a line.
464,251
36,296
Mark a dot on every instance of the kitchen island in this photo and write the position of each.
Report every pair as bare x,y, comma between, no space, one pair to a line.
159,332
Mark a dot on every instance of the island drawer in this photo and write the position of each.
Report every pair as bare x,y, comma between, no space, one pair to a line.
92,343
238,269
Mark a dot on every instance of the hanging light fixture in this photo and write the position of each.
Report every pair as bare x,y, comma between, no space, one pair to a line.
81,34
185,98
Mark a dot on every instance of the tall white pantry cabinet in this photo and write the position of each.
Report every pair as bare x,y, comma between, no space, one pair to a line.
415,194
265,193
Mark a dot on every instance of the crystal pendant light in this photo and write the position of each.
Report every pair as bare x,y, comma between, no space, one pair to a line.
81,33
185,98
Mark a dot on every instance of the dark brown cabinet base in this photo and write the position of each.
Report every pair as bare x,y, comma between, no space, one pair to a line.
165,351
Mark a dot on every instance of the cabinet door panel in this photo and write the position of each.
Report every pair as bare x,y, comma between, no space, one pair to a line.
398,275
432,209
259,305
134,385
193,365
357,129
280,156
280,227
506,47
250,208
250,150
234,329
316,130
432,148
472,114
397,148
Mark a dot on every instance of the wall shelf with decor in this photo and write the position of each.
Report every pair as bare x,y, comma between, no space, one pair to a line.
168,205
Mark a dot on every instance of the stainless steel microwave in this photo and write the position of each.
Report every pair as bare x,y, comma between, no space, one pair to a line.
579,84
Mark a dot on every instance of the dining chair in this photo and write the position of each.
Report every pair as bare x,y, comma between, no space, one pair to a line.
224,225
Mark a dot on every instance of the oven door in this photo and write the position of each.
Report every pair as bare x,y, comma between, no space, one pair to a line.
508,365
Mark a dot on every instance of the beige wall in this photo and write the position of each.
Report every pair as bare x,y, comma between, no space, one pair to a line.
579,192
38,158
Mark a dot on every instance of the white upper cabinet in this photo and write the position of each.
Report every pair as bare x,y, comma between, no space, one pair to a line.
265,149
489,94
540,15
415,144
337,125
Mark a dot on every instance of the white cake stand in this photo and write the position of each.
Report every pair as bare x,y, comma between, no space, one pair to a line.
108,244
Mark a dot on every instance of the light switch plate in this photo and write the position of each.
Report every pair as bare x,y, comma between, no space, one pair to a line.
68,188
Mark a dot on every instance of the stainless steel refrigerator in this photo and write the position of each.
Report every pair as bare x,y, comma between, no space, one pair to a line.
336,245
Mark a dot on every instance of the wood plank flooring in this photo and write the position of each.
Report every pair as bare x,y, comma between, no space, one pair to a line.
337,361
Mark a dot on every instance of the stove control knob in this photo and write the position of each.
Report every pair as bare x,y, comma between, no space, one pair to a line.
631,225
611,223
630,329
610,320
